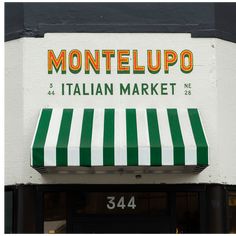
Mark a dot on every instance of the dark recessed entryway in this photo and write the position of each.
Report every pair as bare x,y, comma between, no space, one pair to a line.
161,208
121,212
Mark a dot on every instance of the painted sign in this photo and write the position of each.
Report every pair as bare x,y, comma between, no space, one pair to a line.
125,70
116,62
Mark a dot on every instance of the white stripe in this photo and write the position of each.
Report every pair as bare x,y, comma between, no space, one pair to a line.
97,138
120,138
204,132
165,136
35,131
52,137
188,138
73,150
143,138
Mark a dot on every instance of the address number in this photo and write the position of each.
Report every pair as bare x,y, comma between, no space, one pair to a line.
113,202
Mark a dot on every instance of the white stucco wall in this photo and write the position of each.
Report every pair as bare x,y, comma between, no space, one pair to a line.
226,102
212,80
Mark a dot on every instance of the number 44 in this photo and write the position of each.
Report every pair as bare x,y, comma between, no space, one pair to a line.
111,203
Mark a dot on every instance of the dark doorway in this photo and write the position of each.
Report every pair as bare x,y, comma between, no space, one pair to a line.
118,224
121,210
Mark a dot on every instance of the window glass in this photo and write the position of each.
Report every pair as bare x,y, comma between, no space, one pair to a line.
232,212
55,212
187,212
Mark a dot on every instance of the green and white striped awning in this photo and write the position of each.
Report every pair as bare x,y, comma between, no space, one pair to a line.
119,137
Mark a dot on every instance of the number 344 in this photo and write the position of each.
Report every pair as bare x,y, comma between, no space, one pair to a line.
113,203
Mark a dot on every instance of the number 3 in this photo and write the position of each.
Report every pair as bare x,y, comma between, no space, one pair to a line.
111,204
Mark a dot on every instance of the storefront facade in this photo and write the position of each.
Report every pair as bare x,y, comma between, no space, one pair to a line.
120,123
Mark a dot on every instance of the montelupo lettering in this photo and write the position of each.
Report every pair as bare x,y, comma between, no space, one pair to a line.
119,61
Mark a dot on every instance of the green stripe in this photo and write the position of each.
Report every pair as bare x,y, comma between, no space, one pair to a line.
86,138
63,137
108,140
132,137
154,137
40,138
177,138
200,140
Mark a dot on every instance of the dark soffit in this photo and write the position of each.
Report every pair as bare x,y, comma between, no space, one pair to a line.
200,19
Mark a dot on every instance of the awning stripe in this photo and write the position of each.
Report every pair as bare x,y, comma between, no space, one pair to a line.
166,139
176,137
189,141
74,140
40,137
202,147
108,140
132,137
97,138
143,138
52,136
154,137
63,137
119,137
86,137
